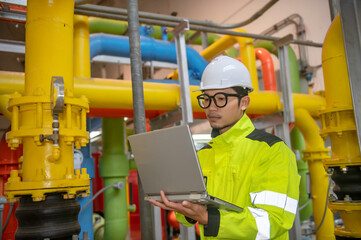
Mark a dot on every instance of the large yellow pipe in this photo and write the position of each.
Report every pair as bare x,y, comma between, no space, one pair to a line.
106,93
338,122
338,118
48,53
246,52
315,153
48,163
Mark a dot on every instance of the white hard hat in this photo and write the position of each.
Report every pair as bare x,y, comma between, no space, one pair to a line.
225,72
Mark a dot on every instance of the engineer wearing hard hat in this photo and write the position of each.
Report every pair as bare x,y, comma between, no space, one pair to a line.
244,166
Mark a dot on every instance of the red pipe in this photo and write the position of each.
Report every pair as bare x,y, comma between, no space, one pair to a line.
14,9
9,160
268,70
118,113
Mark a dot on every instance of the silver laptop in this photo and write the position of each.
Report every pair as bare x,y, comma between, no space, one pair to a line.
167,160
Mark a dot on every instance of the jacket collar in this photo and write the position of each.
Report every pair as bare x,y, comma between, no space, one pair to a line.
241,129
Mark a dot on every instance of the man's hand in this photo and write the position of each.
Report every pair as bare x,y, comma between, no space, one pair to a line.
192,210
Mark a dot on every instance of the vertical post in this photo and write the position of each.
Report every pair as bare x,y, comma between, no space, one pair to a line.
204,37
282,130
187,233
145,208
180,44
288,112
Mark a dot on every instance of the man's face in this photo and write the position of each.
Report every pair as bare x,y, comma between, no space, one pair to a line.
224,118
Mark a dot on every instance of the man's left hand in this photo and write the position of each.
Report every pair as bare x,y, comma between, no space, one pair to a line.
194,211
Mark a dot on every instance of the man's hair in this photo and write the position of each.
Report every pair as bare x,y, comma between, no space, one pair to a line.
241,91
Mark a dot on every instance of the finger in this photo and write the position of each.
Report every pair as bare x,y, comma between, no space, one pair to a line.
161,205
167,202
163,197
187,204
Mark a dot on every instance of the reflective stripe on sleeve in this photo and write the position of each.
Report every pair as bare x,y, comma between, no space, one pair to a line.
275,199
262,222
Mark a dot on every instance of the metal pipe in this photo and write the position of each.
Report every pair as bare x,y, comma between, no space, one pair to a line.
145,208
155,16
300,34
193,27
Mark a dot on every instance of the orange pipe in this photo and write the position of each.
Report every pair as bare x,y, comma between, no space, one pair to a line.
268,70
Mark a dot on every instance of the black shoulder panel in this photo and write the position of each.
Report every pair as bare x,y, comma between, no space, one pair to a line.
205,147
262,136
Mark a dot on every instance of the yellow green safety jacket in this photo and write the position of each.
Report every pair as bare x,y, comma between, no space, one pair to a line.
256,171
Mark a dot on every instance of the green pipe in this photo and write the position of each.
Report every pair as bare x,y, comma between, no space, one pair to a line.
115,27
298,145
113,168
297,140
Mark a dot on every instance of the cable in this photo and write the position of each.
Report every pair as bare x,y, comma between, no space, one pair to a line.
118,185
8,217
327,199
305,205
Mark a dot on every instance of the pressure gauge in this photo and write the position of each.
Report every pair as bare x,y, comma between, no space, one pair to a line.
78,159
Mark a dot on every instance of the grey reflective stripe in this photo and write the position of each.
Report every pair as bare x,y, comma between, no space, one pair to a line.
275,199
262,222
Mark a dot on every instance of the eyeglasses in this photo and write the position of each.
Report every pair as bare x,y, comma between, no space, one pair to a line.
220,99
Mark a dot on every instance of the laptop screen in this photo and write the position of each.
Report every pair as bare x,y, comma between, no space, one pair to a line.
167,160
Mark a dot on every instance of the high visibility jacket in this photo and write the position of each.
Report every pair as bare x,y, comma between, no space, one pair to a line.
256,171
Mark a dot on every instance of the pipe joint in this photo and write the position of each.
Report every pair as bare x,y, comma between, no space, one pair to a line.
316,155
337,120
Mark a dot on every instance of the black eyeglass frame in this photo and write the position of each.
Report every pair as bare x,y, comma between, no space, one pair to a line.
226,95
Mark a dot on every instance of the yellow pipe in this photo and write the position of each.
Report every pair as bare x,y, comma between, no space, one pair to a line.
106,93
81,47
4,99
246,52
315,153
338,122
49,52
338,118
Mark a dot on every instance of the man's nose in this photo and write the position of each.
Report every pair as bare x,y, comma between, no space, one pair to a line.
213,106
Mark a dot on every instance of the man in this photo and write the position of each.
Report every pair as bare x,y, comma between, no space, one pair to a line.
242,165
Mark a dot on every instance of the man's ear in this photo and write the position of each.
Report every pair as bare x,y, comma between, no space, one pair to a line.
245,102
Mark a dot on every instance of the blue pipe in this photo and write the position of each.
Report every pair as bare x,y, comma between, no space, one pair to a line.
86,217
151,49
95,124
